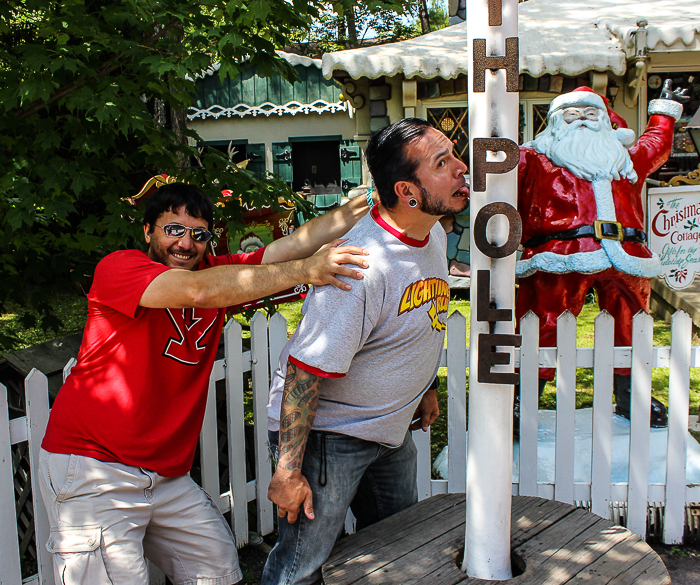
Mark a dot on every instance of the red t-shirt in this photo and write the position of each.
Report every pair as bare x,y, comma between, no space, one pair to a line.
138,391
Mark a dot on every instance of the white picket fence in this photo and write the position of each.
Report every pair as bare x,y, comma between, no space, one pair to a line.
267,340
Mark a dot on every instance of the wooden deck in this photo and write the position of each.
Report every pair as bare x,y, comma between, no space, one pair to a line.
556,542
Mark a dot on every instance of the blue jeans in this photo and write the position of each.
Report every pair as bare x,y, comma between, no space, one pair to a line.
373,480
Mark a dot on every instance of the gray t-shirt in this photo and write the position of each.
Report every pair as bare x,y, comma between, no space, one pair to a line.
376,347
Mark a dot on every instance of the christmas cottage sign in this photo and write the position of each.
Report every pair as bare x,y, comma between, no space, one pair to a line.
674,233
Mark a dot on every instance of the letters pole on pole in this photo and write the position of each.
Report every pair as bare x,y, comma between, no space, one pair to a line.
492,37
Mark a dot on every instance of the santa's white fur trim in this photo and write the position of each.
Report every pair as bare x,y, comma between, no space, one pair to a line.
612,253
644,267
666,107
626,136
602,189
576,99
584,262
610,256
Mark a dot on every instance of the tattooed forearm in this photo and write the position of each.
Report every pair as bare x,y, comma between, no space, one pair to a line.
287,437
300,389
299,404
290,419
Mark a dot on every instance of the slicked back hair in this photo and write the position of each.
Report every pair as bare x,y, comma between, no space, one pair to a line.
387,159
174,196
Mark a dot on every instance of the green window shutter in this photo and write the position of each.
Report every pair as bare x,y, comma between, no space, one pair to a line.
255,153
282,160
350,165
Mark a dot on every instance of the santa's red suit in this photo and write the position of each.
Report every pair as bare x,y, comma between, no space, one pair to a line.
555,274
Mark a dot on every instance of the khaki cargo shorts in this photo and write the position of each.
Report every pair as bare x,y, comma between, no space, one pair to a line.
107,518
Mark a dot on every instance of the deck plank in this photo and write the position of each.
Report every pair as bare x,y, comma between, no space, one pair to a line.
436,534
606,569
559,544
421,562
534,515
395,528
574,555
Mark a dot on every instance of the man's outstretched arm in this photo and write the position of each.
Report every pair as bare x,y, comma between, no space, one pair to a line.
234,284
310,255
309,237
289,488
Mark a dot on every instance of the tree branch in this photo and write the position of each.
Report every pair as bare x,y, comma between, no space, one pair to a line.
105,69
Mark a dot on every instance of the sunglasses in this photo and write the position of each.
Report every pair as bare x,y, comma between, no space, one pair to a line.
177,230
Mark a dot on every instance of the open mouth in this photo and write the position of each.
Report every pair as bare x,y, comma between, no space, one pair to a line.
181,257
462,192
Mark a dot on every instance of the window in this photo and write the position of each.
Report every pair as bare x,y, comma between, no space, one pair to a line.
454,123
533,119
684,158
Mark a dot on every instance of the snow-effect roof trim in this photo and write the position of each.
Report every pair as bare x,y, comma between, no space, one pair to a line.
566,37
291,58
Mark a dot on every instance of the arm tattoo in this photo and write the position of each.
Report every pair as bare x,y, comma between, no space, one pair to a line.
299,404
290,419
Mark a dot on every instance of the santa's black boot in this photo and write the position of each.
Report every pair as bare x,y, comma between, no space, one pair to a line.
622,391
516,406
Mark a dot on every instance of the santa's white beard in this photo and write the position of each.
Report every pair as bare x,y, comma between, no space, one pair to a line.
589,151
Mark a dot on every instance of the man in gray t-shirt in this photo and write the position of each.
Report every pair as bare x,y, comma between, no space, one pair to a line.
357,371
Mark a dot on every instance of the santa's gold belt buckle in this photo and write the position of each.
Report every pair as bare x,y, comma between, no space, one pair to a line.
599,235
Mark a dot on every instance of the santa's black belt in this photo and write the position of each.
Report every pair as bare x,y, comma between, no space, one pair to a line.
600,230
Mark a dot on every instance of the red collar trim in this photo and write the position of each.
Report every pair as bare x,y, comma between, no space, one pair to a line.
394,232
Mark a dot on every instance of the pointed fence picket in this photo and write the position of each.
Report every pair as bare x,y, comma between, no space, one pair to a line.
642,355
10,570
35,387
677,450
239,367
235,422
601,456
529,397
566,408
457,405
259,347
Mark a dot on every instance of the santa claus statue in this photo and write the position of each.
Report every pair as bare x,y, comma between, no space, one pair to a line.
580,184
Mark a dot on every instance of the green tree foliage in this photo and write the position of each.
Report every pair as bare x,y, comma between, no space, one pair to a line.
79,83
341,27
438,14
355,27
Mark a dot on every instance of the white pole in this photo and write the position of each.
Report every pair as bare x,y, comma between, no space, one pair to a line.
492,31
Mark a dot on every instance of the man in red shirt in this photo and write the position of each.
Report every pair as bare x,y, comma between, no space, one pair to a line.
123,430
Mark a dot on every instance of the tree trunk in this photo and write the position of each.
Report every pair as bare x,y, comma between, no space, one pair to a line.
351,27
178,124
341,31
174,119
423,15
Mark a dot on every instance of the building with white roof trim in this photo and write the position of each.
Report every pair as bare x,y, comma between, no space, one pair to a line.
622,49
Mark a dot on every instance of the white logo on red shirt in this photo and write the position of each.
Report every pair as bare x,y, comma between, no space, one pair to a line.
187,347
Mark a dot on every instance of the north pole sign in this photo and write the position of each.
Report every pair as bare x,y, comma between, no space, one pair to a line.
493,153
492,39
486,308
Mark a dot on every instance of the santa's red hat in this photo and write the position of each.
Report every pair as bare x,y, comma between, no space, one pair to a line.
585,97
